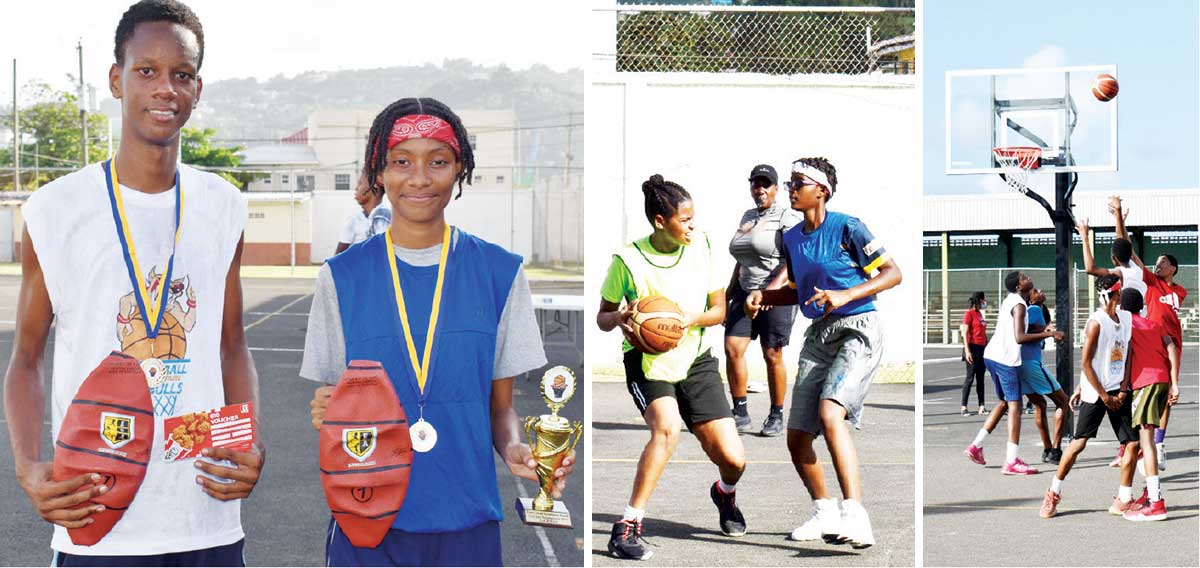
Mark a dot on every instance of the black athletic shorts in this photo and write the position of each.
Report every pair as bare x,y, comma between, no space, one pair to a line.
1091,415
701,396
773,328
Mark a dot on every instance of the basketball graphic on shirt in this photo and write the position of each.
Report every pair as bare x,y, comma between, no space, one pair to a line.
179,319
170,343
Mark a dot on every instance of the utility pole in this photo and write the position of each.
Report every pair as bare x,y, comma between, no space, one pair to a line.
16,134
83,140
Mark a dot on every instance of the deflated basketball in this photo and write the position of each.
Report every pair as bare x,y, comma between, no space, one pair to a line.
1105,87
109,430
365,454
657,325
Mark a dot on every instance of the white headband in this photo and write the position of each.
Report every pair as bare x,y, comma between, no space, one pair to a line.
813,174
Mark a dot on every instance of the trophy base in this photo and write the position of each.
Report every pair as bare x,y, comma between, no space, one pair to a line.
558,518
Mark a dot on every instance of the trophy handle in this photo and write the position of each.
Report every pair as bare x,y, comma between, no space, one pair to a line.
578,431
530,423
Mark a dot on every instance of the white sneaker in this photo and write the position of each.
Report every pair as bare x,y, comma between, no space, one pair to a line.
1162,456
856,525
822,525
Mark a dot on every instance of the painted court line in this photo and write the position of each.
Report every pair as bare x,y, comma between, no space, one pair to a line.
748,462
547,549
277,312
277,349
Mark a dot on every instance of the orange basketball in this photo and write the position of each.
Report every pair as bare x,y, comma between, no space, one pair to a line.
657,325
1105,87
170,344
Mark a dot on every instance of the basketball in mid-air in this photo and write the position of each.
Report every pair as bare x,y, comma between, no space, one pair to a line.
1105,87
657,325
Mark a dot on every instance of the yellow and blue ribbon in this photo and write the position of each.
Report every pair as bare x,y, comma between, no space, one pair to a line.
152,312
420,366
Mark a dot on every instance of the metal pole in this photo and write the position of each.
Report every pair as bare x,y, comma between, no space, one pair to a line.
292,203
945,287
83,139
36,164
1064,295
16,133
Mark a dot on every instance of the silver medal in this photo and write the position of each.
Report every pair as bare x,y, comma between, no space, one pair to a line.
423,435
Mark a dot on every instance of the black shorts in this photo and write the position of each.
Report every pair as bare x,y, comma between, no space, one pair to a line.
701,396
773,328
1091,415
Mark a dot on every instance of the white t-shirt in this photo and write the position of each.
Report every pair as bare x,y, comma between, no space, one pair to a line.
380,218
71,225
1131,277
1111,356
355,229
1003,347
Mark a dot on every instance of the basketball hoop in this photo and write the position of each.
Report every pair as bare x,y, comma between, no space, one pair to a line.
1017,161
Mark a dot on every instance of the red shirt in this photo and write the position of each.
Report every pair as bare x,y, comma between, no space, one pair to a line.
976,328
1162,304
1148,354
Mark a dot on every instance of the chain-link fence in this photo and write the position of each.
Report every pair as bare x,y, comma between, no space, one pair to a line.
937,328
777,41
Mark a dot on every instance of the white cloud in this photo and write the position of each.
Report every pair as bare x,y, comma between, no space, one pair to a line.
1049,55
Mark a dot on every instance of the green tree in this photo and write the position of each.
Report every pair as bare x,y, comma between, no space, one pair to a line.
198,150
50,126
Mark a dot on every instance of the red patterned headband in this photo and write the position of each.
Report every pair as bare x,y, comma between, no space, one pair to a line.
423,126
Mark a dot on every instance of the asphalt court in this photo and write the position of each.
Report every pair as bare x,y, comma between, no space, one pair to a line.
681,521
975,516
286,517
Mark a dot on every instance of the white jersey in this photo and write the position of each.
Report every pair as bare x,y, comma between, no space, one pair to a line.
1003,347
71,225
1111,356
1131,277
355,229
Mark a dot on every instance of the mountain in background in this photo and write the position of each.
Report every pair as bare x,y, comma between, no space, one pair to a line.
248,111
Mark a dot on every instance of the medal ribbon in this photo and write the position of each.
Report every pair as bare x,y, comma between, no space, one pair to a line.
420,366
152,312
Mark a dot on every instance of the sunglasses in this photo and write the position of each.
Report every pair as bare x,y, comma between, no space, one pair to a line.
797,184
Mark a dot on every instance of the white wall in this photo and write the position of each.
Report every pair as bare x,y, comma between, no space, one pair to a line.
706,131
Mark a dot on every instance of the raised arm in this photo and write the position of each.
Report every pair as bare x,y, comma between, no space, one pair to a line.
1119,214
1089,263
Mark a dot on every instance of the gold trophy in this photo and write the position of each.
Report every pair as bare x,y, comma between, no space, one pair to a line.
552,444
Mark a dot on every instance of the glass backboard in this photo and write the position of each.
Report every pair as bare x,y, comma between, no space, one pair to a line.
1052,108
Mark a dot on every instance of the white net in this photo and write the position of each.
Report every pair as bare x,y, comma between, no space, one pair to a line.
1017,161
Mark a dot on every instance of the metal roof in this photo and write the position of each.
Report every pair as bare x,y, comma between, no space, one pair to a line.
1012,211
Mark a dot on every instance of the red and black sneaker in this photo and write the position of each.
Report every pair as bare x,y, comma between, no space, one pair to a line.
732,521
627,541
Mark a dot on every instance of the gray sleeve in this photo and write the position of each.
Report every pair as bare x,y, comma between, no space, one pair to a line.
324,345
518,339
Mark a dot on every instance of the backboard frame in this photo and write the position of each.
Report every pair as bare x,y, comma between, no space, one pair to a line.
1045,108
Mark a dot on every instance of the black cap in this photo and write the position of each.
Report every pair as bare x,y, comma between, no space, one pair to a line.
764,170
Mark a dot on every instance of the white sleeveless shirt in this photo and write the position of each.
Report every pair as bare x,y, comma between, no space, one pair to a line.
1111,356
1003,347
71,225
1131,277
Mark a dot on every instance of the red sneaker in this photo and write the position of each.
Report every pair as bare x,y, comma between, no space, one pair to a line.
1152,511
1119,508
1017,467
1049,505
975,454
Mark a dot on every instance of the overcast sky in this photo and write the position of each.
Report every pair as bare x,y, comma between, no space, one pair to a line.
1156,47
264,38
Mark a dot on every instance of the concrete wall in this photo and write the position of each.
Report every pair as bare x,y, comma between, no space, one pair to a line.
269,232
707,131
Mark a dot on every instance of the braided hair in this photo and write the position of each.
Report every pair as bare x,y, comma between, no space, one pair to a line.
377,139
663,197
156,11
825,167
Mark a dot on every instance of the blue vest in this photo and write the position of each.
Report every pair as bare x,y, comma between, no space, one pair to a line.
1032,351
819,260
453,486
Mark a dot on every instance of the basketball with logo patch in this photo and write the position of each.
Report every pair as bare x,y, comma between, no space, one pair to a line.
365,474
657,325
1105,87
109,430
169,344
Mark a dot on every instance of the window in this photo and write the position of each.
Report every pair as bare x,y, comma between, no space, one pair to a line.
499,179
471,140
478,179
305,183
341,182
267,180
283,178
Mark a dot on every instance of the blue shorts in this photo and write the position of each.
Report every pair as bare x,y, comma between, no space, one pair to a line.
476,546
228,555
1006,379
1036,379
